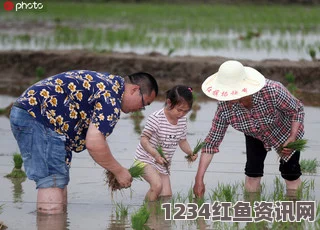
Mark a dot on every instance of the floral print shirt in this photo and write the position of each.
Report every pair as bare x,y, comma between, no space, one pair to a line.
269,120
69,101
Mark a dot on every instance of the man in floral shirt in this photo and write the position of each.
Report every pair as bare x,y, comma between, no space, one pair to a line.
73,111
265,111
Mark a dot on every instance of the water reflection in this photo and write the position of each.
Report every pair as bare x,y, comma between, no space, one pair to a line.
17,189
117,222
52,222
157,217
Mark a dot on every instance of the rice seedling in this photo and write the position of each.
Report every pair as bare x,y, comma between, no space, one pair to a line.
162,154
139,218
17,172
317,219
40,72
121,211
200,144
309,165
312,53
136,171
225,193
299,145
305,189
291,83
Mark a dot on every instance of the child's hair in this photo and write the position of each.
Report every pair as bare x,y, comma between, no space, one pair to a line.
179,94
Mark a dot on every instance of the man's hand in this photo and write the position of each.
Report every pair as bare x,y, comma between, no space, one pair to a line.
124,178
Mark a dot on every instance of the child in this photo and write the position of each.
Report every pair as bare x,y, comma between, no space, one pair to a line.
166,128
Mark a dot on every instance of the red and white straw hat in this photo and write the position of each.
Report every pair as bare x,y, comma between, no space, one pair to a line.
233,81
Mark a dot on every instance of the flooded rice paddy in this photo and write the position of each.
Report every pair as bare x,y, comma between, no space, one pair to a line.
90,204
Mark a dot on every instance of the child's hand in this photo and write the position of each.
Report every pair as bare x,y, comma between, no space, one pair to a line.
193,157
160,160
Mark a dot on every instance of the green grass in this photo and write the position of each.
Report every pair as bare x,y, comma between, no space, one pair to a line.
309,165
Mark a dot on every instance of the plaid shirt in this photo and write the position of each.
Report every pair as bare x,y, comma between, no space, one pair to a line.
269,120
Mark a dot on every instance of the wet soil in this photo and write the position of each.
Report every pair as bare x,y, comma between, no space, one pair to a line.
19,69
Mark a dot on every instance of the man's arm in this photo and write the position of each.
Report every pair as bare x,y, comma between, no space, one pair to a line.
100,152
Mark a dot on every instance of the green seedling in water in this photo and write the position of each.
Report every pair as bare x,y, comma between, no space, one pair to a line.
40,72
121,211
312,53
225,192
309,166
139,218
17,172
291,83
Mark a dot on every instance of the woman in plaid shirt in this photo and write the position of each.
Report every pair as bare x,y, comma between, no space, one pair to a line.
265,111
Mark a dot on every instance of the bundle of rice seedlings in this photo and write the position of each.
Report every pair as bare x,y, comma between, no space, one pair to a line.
200,144
139,218
17,172
298,145
136,171
160,151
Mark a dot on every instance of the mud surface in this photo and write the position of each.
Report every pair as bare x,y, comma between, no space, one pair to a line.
19,69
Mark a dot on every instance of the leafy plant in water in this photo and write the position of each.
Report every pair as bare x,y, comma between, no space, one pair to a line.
309,166
225,192
139,218
40,72
121,210
171,51
291,83
17,172
312,53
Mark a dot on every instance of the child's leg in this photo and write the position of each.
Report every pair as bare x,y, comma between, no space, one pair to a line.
166,186
152,176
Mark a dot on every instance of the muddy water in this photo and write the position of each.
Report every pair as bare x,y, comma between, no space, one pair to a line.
90,205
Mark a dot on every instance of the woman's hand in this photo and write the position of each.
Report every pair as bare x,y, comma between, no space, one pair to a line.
199,188
286,151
